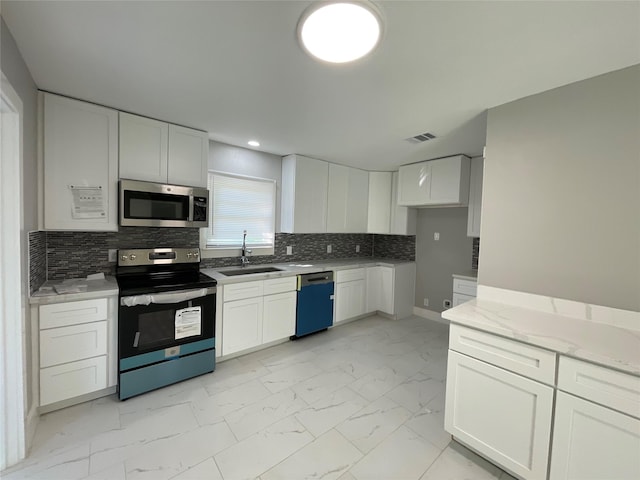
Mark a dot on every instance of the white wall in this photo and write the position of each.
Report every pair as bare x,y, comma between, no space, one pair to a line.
244,161
561,195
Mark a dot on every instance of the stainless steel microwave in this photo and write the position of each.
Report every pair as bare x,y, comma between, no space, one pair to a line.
147,204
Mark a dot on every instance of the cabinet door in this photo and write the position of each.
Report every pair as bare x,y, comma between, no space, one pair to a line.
475,197
188,156
358,298
337,198
403,220
279,320
342,301
449,181
386,290
357,201
80,150
304,195
503,416
143,148
459,299
242,327
374,288
379,204
414,184
593,442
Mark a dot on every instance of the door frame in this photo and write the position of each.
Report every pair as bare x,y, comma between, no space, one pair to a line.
12,291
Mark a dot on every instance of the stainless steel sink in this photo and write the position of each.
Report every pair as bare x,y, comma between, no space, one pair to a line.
248,271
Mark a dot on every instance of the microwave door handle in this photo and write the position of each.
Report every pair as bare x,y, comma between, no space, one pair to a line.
136,340
191,208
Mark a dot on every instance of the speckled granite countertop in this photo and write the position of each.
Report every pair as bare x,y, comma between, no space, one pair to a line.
291,269
46,294
602,335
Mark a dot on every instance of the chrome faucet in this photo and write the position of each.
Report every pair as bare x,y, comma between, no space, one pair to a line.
244,259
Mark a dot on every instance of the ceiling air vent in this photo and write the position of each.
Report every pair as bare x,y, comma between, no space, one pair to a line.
423,137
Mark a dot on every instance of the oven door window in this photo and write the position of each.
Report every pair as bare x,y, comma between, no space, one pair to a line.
146,328
155,206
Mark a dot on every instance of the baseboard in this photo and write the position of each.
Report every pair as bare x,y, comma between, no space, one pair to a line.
429,315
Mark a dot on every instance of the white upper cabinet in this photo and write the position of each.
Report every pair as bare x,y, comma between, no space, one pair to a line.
143,148
304,195
347,199
434,183
379,214
475,197
403,220
79,149
188,156
159,152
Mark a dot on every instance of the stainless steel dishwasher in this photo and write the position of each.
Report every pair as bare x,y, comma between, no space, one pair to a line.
315,303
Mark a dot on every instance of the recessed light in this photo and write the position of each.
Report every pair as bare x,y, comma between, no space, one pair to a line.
254,143
340,32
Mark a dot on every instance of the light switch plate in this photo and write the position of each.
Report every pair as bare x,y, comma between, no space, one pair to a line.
329,249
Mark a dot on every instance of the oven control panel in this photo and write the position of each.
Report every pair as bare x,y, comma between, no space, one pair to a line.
157,256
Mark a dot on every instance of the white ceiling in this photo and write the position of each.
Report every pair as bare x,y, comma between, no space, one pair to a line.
235,69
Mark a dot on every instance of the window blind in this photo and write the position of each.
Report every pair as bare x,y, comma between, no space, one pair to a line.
238,204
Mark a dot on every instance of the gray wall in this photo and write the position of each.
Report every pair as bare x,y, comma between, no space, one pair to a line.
436,261
561,197
16,71
243,161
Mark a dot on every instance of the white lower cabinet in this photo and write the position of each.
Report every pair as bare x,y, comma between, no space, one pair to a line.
593,442
77,350
391,290
500,399
279,320
242,325
598,435
463,290
250,318
502,415
350,294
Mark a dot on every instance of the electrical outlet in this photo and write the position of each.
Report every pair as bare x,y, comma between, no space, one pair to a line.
436,236
113,255
357,248
329,248
446,304
426,302
289,250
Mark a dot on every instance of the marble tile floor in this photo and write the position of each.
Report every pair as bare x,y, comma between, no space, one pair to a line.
364,400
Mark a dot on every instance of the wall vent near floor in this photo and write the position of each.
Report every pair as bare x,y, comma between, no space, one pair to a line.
423,137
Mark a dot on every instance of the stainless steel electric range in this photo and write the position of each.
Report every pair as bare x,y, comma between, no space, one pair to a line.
166,319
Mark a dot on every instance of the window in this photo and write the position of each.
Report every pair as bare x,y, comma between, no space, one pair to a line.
239,203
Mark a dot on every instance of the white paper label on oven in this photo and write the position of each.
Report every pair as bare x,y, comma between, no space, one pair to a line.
188,322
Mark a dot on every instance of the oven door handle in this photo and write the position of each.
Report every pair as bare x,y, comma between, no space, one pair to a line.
166,298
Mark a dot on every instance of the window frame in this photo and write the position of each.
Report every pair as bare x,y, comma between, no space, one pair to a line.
220,252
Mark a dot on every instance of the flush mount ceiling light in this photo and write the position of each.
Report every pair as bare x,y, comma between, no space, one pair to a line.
253,143
340,32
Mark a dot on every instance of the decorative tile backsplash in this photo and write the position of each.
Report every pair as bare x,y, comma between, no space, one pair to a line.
37,260
77,254
400,247
475,254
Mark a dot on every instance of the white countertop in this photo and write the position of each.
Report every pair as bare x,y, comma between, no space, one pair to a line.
467,275
613,340
46,294
296,268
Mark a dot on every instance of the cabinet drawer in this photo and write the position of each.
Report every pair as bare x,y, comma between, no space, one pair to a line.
67,344
72,379
611,388
466,287
517,357
459,298
279,285
349,275
238,291
73,313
